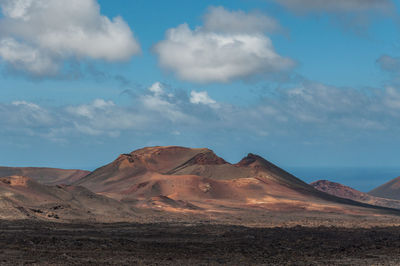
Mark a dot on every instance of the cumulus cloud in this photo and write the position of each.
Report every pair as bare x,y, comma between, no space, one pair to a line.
163,104
201,97
90,110
21,118
317,109
30,114
37,36
25,58
102,117
157,89
231,45
323,105
295,112
337,5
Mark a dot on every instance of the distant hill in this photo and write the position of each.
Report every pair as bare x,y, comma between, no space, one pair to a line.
390,190
346,192
47,176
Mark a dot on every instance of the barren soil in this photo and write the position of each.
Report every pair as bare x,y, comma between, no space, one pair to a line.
39,243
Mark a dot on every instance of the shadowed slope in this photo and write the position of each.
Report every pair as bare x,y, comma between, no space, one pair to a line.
390,190
47,176
177,176
342,191
23,198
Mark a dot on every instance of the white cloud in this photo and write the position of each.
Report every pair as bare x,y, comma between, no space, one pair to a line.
230,46
218,19
157,89
201,97
16,9
392,98
103,117
90,110
160,103
29,105
163,107
338,109
37,36
297,112
22,57
337,5
25,116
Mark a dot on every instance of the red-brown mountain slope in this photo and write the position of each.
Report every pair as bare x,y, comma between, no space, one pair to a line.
47,176
342,191
162,177
24,198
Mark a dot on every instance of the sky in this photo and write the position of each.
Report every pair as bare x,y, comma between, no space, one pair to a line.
310,83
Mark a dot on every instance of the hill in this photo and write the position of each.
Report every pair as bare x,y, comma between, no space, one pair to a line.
390,190
47,176
346,192
24,198
197,180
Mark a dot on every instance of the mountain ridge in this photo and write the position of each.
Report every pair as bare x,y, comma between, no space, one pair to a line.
172,183
201,178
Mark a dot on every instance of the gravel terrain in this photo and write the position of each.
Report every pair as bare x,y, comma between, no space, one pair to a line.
39,243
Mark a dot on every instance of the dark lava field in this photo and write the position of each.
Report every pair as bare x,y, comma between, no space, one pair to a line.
39,243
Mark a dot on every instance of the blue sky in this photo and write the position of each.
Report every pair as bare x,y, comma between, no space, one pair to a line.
304,85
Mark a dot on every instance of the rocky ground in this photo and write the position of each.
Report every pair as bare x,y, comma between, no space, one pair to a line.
39,243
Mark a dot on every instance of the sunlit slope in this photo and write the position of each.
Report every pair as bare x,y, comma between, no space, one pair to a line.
48,176
164,176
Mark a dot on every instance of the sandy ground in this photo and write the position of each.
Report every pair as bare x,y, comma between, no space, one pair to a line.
39,243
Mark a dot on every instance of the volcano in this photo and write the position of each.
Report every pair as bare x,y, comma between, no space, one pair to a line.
177,178
390,190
